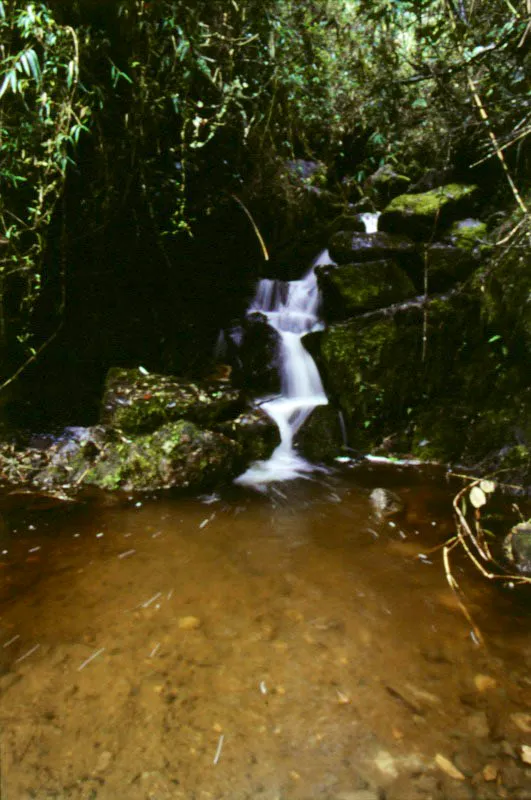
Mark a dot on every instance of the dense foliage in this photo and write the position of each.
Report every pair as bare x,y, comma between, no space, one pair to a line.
167,107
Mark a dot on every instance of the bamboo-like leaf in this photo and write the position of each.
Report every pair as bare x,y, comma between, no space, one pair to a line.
33,62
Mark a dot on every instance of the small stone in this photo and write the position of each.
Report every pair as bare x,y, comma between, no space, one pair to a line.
448,768
484,683
478,725
386,764
525,754
189,623
360,794
522,721
490,772
104,760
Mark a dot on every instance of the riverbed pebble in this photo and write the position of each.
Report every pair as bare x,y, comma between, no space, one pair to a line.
189,623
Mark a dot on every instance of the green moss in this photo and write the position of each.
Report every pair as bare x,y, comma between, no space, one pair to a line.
468,234
430,204
374,285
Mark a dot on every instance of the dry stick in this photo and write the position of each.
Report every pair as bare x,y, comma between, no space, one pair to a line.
255,226
457,591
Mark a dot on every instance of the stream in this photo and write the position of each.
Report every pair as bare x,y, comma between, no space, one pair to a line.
276,645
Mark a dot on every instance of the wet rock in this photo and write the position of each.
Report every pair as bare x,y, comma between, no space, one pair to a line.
321,437
517,547
422,216
346,247
478,725
354,288
254,431
179,455
348,222
137,403
256,359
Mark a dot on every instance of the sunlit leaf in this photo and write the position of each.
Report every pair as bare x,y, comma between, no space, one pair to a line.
487,486
477,497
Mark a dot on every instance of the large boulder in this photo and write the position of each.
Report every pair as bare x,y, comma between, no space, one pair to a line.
346,247
422,216
354,288
137,402
177,455
469,234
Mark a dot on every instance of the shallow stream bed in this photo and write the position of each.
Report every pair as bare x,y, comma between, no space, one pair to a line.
281,646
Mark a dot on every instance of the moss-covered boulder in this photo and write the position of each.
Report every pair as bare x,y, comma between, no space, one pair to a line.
177,455
254,431
383,373
422,216
137,402
346,247
354,288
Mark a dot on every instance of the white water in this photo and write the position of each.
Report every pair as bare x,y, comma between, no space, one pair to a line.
292,310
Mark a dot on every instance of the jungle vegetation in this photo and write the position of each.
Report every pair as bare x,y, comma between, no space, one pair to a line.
164,109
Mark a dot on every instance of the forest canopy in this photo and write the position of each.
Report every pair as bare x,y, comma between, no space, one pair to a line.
160,106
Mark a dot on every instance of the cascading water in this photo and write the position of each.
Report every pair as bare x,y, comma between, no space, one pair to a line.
291,308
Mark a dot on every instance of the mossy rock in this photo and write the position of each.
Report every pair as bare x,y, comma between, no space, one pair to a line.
177,455
136,402
469,234
346,247
421,216
380,374
353,288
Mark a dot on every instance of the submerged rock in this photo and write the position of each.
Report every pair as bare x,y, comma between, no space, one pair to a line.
137,403
421,216
353,288
346,247
386,503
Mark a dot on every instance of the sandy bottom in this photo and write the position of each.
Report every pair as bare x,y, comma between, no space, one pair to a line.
273,647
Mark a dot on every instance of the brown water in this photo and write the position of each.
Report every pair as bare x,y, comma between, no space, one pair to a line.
281,646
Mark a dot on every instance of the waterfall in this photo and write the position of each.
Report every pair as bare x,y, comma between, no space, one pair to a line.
291,308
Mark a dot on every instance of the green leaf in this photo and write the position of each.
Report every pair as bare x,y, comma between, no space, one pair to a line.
420,102
494,338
